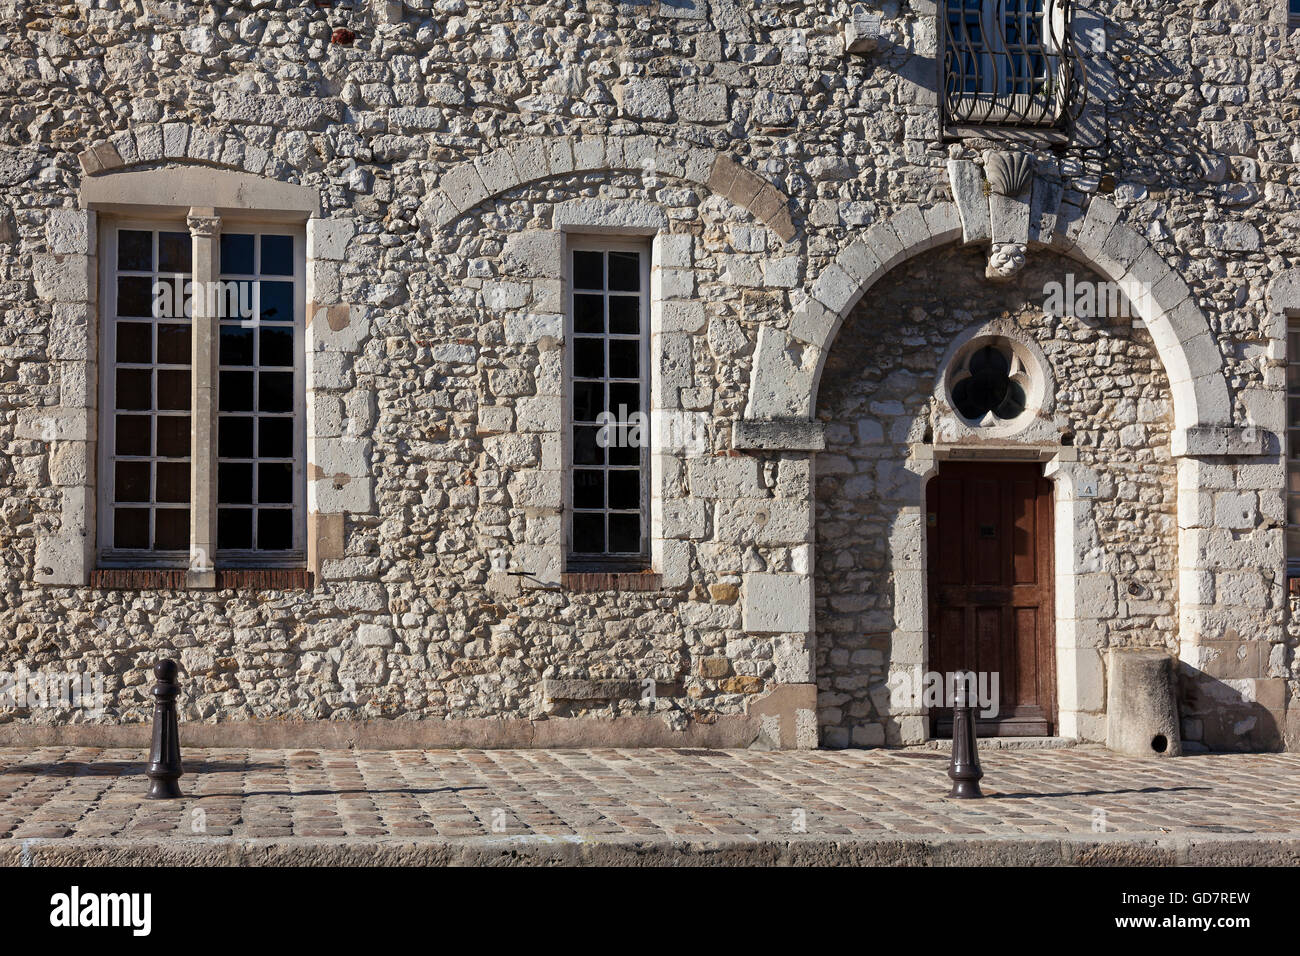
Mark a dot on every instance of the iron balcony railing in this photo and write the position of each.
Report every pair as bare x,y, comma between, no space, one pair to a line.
1011,63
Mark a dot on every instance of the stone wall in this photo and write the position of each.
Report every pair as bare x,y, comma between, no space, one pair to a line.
444,132
878,400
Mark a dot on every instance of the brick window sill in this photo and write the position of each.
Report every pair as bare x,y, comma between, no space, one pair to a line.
1293,583
587,582
228,579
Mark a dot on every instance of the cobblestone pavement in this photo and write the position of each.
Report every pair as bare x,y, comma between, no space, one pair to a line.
66,795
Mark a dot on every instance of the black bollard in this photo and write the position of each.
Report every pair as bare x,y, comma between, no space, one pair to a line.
964,770
165,753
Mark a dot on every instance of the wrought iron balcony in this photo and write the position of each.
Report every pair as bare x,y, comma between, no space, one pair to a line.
1010,64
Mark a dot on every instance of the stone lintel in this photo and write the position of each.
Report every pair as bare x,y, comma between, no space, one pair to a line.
783,434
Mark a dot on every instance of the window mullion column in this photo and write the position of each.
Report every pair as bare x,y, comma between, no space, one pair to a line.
205,229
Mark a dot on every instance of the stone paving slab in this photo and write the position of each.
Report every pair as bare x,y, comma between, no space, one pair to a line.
86,805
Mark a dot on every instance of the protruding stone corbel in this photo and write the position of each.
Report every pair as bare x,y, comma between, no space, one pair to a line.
1009,175
862,30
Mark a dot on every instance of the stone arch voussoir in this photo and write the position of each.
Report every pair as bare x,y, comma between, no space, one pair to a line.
184,143
470,183
788,364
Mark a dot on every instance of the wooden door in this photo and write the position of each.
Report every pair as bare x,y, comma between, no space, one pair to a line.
990,590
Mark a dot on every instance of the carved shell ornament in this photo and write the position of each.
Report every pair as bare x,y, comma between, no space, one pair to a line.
1009,174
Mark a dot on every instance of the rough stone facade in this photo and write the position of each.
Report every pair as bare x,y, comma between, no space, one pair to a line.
799,203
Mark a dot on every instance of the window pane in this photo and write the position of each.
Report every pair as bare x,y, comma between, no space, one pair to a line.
235,391
588,270
234,483
588,534
236,346
625,314
133,435
234,528
131,528
236,254
171,529
276,301
134,251
588,488
275,483
625,398
625,271
134,388
588,401
589,313
625,490
275,392
235,436
131,481
174,388
173,436
277,347
626,453
174,250
589,358
277,255
586,449
274,529
173,481
134,343
174,344
624,358
274,438
624,534
135,296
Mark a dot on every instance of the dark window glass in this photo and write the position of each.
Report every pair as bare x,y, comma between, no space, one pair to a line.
235,391
625,490
274,529
134,252
235,436
174,388
135,296
588,533
275,438
234,483
173,481
133,435
625,453
625,272
276,300
624,534
131,481
173,436
277,346
134,343
625,398
588,270
174,344
588,401
588,488
589,358
236,345
275,392
624,358
589,314
277,255
586,447
171,529
134,388
275,483
174,249
236,254
131,528
625,314
234,528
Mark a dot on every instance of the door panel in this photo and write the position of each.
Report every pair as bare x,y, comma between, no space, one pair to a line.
990,590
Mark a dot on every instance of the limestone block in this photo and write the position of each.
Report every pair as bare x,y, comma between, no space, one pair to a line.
725,477
778,435
71,231
972,204
645,98
612,215
339,495
328,238
1044,204
776,603
781,386
464,187
702,102
64,278
768,521
535,253
338,328
63,560
1142,709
